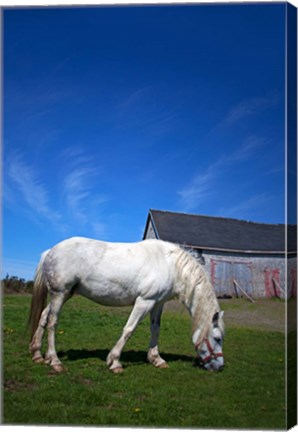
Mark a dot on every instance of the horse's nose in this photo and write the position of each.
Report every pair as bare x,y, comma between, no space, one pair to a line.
215,367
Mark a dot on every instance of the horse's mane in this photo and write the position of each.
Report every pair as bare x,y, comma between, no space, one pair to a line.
197,292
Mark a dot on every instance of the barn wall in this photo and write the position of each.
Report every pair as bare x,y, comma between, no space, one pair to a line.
259,275
150,234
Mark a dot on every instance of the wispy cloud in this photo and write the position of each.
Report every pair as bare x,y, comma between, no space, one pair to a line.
249,147
198,189
34,194
82,203
134,99
203,184
246,110
144,109
250,106
80,189
251,203
77,190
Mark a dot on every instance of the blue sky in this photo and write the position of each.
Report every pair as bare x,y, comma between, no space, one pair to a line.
111,111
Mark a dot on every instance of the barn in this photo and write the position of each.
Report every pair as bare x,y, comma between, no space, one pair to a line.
242,258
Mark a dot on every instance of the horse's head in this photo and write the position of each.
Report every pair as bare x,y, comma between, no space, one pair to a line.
209,350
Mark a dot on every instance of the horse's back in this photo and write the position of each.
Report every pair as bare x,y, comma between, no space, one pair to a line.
111,273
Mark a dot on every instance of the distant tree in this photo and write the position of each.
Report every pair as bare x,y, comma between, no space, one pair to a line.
16,285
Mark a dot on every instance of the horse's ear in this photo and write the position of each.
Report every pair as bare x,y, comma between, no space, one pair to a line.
215,317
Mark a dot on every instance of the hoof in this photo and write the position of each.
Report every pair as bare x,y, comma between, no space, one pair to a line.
163,365
117,370
58,368
38,360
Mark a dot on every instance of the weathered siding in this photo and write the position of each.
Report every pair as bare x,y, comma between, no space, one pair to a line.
259,275
150,233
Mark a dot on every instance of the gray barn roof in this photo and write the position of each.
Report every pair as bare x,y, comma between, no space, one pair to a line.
221,234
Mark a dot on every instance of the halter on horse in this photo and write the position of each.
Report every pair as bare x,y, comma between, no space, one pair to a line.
209,354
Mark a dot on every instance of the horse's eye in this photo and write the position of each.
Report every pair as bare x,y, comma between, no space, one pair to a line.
218,340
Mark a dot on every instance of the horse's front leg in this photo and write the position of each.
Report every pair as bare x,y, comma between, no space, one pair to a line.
153,353
139,311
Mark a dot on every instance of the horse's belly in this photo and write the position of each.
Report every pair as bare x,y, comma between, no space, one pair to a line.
107,295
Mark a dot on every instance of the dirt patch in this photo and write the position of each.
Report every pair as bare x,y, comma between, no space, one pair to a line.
15,385
263,314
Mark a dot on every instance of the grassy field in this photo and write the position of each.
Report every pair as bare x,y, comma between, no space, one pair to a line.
249,393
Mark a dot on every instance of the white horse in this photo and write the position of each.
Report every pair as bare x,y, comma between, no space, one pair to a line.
144,274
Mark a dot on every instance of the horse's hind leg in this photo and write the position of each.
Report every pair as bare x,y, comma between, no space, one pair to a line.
153,353
35,345
51,358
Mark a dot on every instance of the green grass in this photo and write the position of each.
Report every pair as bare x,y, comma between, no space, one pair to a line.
249,393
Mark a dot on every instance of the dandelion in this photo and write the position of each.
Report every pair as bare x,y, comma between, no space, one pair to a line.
137,410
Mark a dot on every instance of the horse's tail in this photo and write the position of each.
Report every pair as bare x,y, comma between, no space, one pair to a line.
39,297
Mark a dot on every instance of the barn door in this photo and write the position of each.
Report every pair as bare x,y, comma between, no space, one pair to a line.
223,274
222,277
272,282
243,275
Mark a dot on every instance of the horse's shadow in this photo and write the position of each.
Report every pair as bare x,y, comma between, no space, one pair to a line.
130,356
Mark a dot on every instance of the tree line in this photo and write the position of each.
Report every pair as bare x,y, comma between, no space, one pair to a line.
16,285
